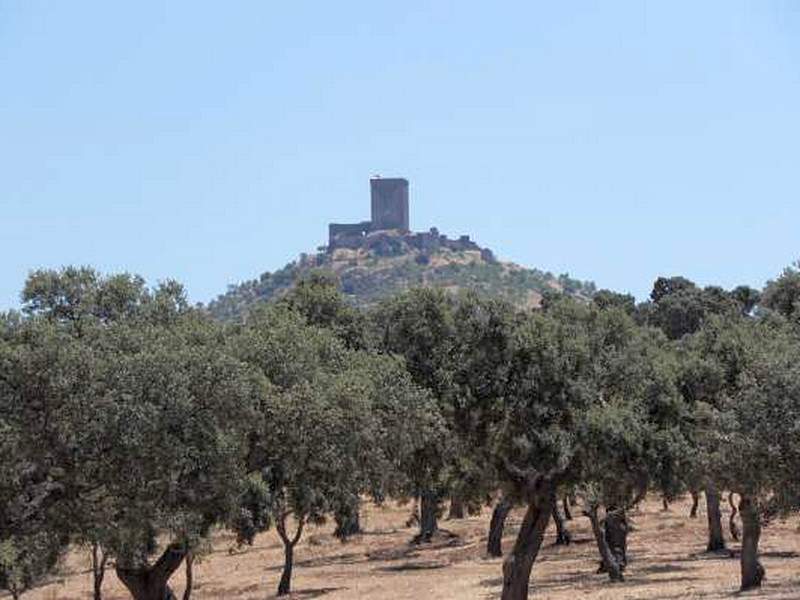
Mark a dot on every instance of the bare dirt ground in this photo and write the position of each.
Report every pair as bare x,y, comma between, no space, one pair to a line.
666,552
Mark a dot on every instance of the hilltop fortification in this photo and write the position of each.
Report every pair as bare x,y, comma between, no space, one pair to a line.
389,225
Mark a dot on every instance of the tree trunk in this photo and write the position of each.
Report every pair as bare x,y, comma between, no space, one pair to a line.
99,561
413,518
428,524
695,502
494,545
150,583
752,570
285,585
664,504
716,540
348,522
517,566
187,592
563,536
641,494
456,508
615,526
608,560
734,529
567,512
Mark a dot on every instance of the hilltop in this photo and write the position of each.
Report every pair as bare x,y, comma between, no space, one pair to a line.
378,258
387,262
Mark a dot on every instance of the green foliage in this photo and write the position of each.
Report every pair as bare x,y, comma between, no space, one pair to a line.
458,349
317,298
26,559
336,424
783,294
130,420
753,436
592,401
76,294
680,308
548,389
608,299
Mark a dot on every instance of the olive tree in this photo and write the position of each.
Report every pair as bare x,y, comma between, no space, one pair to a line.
548,387
337,424
681,310
317,297
634,433
457,348
38,370
591,405
132,412
782,295
755,433
177,413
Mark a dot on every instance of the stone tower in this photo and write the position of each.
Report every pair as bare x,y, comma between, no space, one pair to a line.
389,203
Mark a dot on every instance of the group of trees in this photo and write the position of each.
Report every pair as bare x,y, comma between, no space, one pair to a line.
133,424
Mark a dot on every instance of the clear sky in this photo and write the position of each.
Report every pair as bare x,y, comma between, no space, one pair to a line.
209,142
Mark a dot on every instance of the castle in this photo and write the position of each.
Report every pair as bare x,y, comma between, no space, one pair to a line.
389,202
388,233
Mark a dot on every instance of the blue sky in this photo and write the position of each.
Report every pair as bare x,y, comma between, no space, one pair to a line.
209,142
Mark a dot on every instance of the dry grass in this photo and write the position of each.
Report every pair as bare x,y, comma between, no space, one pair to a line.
666,563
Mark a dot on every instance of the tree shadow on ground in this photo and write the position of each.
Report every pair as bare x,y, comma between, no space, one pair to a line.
442,540
323,561
412,566
307,594
662,568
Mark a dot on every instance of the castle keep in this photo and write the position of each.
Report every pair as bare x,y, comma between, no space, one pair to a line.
389,203
389,200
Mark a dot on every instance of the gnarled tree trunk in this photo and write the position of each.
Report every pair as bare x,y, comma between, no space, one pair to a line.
615,526
285,585
494,544
517,566
150,583
752,570
413,519
695,502
99,561
716,540
456,508
348,522
732,526
567,512
563,536
609,561
428,519
187,591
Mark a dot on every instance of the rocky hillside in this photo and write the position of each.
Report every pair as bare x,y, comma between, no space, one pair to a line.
386,263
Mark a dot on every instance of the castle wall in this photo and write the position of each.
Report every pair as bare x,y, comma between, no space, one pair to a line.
346,234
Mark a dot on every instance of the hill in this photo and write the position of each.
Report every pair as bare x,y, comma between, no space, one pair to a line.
383,263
